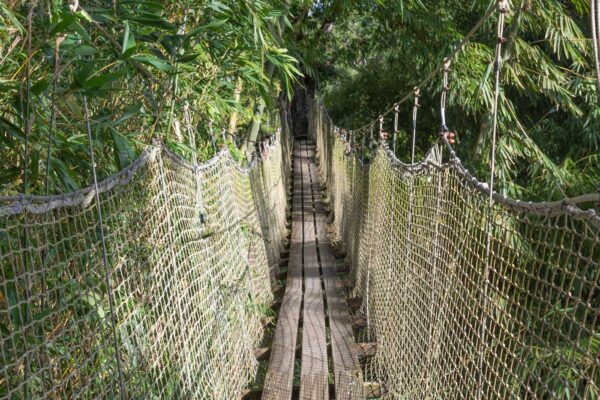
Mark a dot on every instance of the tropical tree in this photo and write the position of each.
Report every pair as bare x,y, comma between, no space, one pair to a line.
177,71
549,127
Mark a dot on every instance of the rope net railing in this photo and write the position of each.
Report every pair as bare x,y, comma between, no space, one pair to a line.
189,249
450,319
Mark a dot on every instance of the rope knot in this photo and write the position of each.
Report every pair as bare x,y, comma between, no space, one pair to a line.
447,64
448,136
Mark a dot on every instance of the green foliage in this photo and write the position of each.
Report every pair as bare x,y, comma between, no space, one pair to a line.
138,63
549,126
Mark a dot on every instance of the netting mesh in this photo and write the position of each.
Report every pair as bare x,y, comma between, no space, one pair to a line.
189,251
451,319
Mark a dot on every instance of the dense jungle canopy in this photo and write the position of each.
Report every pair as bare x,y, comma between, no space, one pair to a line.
196,74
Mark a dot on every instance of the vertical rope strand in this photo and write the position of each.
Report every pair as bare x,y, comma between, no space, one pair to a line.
190,130
396,112
417,94
212,136
192,138
444,131
104,249
363,144
490,223
52,113
444,97
370,144
26,102
497,68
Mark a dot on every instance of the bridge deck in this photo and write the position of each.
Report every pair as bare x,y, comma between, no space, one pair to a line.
311,289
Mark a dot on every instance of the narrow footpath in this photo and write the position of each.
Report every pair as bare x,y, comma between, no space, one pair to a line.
314,312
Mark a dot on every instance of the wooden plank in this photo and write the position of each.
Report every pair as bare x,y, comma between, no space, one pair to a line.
309,238
280,375
314,368
346,367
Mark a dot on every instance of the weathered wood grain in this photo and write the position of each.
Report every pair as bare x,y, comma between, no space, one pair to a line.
314,370
346,367
280,375
312,263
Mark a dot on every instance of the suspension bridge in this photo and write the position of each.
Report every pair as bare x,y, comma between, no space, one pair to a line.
170,296
312,272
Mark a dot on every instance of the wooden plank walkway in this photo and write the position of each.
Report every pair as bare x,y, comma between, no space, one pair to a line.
314,372
280,376
311,285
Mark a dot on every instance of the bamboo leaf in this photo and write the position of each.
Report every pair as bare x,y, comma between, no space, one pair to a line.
124,151
155,62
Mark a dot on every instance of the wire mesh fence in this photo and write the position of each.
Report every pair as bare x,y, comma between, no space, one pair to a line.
189,250
465,301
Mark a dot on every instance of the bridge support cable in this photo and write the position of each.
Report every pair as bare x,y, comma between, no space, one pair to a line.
500,39
416,94
458,49
394,139
104,252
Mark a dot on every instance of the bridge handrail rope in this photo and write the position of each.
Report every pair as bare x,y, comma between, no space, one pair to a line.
550,208
38,204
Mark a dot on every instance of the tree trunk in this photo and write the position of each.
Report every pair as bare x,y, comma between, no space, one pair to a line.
233,119
253,130
258,112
